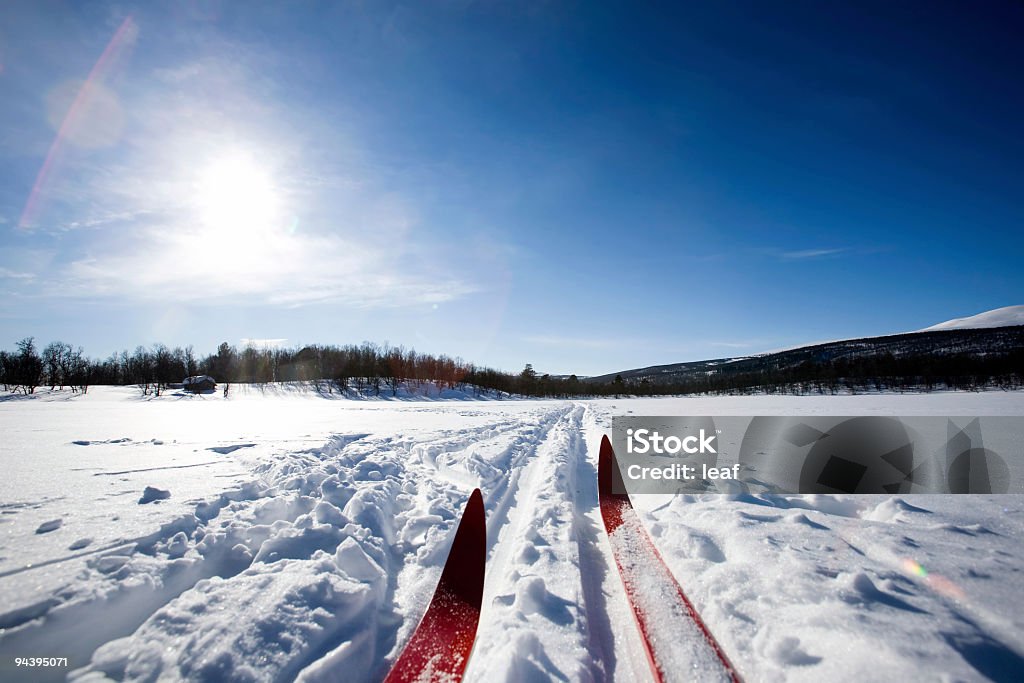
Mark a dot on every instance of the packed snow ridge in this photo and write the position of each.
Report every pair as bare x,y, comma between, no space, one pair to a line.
289,536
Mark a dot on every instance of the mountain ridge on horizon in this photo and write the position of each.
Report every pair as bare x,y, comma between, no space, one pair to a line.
1004,317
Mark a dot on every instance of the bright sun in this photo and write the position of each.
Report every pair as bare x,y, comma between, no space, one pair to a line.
237,201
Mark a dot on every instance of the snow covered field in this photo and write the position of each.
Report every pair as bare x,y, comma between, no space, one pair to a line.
285,535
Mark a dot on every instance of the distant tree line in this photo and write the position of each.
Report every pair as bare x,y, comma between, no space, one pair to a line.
882,372
364,369
375,370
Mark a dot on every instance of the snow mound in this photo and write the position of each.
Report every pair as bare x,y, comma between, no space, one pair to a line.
999,317
51,525
152,494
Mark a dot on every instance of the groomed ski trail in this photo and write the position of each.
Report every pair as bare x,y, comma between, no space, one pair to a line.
534,624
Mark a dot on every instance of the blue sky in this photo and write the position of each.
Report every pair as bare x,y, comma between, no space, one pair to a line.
583,186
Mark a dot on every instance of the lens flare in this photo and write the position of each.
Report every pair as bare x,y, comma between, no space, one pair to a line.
123,38
914,568
939,584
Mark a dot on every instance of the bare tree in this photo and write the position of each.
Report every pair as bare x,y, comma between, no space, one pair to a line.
6,370
79,372
140,369
190,361
29,366
52,363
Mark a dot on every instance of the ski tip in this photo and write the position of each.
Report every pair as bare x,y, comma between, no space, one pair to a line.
473,516
605,463
463,573
476,500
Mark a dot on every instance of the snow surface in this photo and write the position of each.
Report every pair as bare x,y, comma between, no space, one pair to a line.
302,537
999,317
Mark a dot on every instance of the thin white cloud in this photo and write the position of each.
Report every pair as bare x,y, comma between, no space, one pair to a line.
574,342
811,253
178,74
732,345
99,220
263,343
15,275
177,264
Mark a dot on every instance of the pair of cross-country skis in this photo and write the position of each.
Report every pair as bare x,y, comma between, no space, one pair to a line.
677,643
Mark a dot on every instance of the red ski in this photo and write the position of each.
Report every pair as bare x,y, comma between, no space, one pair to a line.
678,644
439,648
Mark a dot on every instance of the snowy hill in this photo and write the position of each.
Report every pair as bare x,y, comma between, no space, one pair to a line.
999,317
986,345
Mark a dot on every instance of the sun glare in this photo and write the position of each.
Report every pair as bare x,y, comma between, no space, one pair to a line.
237,200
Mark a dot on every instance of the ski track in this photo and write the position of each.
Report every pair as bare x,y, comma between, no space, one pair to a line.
532,627
331,554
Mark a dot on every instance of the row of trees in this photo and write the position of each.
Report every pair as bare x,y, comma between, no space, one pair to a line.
870,372
367,368
373,369
59,365
364,369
